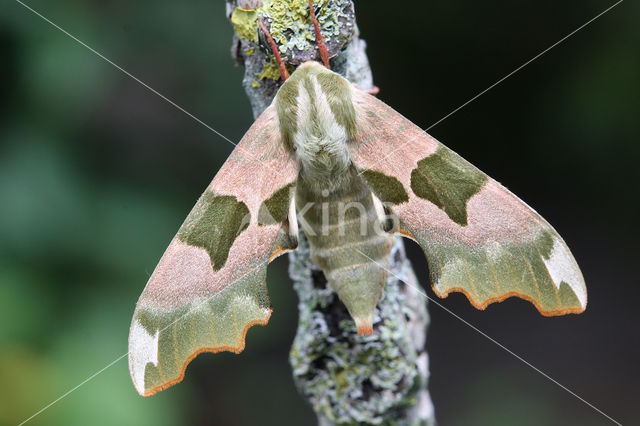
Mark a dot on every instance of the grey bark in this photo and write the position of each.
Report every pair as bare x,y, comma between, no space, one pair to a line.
348,379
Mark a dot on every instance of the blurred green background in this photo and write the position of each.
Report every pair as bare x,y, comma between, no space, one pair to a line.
97,173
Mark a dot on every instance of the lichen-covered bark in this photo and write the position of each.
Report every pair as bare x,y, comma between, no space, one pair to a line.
289,24
348,379
377,379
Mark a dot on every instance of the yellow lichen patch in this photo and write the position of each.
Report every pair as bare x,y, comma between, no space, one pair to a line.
245,24
290,21
249,52
270,71
255,84
286,15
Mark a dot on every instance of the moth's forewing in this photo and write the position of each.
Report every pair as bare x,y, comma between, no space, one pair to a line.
479,238
209,286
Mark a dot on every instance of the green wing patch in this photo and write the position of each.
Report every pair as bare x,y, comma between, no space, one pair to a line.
387,188
448,181
274,210
493,272
166,341
214,224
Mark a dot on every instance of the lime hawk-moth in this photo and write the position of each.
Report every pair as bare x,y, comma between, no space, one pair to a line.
353,172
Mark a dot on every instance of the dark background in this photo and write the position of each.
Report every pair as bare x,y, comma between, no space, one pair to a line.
97,173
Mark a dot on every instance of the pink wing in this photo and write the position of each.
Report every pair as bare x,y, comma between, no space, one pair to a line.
479,238
209,287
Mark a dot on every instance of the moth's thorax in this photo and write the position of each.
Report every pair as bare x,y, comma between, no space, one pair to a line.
317,121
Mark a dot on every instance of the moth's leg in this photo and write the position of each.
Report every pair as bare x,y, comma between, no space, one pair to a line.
322,46
373,91
283,69
293,220
377,204
386,218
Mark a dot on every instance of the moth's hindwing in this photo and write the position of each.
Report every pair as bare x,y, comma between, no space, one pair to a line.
209,287
479,238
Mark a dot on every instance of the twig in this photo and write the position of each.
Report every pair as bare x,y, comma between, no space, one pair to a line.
377,379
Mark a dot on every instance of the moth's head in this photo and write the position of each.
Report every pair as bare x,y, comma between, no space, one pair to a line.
315,103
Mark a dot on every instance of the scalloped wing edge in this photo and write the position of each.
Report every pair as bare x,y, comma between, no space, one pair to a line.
509,295
212,350
483,304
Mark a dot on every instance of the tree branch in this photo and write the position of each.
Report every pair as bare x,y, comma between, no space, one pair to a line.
377,379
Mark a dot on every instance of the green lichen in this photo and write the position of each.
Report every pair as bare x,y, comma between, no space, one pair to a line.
270,71
290,22
250,51
245,24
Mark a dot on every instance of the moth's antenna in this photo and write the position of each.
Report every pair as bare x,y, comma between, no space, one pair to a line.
322,47
283,69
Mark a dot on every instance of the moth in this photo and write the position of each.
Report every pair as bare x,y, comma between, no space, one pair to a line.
353,172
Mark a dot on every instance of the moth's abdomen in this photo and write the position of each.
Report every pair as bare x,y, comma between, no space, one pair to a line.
348,243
